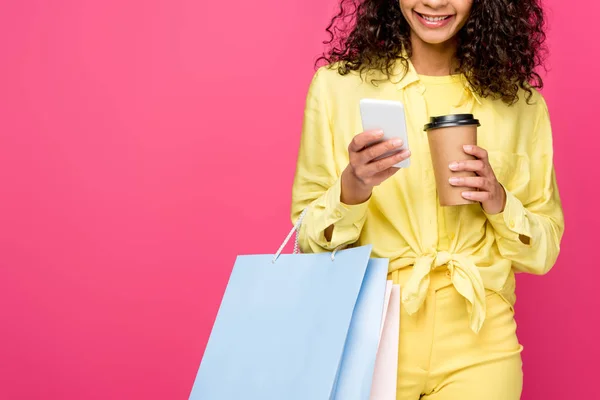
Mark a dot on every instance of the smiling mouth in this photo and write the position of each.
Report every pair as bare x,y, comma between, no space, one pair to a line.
433,18
433,21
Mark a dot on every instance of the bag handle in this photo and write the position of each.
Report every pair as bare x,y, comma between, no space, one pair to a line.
296,229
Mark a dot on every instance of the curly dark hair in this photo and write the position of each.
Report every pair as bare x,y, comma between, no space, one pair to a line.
500,47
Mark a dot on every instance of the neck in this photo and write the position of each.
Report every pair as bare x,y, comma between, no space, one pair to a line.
433,59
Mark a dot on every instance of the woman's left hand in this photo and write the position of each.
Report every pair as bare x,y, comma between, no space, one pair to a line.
490,192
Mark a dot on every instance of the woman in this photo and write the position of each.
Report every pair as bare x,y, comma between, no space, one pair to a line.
456,265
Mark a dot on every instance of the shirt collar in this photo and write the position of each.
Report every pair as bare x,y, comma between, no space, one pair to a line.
403,78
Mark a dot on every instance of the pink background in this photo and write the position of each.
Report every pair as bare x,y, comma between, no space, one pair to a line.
135,165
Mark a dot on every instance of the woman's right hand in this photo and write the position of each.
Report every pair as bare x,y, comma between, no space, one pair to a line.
363,173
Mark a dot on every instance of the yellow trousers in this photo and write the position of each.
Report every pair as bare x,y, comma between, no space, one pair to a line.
441,358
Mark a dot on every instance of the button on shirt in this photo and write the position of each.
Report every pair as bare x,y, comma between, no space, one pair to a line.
402,219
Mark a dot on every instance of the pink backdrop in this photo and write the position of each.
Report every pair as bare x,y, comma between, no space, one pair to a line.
127,187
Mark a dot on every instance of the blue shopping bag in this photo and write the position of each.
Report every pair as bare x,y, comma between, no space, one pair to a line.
296,327
358,359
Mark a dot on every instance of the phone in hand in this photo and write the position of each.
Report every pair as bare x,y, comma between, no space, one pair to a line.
388,116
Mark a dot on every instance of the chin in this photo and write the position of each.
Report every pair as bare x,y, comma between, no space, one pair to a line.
433,39
439,41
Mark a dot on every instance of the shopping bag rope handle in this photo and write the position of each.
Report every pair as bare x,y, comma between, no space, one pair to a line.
296,230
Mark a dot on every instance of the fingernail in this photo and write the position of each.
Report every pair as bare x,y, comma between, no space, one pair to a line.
397,142
453,165
378,133
468,147
466,195
403,154
454,180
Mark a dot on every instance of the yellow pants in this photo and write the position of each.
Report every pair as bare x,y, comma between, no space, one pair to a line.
441,358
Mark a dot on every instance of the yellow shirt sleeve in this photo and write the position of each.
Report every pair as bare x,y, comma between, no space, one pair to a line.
529,230
317,183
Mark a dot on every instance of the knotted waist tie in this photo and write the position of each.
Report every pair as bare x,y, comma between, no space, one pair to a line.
465,278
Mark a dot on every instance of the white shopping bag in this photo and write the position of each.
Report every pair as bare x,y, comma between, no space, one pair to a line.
385,376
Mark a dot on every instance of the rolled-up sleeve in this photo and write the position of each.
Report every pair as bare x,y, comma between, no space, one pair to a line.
529,230
317,183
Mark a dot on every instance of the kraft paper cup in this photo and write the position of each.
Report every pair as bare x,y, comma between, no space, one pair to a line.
447,135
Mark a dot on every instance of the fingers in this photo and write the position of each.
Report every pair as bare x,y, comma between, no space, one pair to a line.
361,140
372,152
481,197
481,185
476,151
476,182
477,166
486,189
372,160
373,168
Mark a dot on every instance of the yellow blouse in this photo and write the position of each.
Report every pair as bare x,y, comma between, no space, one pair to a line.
402,219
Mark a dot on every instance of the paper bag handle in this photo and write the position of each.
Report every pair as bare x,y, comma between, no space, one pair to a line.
296,229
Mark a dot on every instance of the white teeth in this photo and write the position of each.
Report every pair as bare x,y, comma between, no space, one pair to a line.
434,19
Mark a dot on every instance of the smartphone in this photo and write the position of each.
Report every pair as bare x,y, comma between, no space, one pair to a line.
387,115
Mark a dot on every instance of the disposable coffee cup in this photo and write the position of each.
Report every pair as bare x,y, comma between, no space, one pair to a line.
447,135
